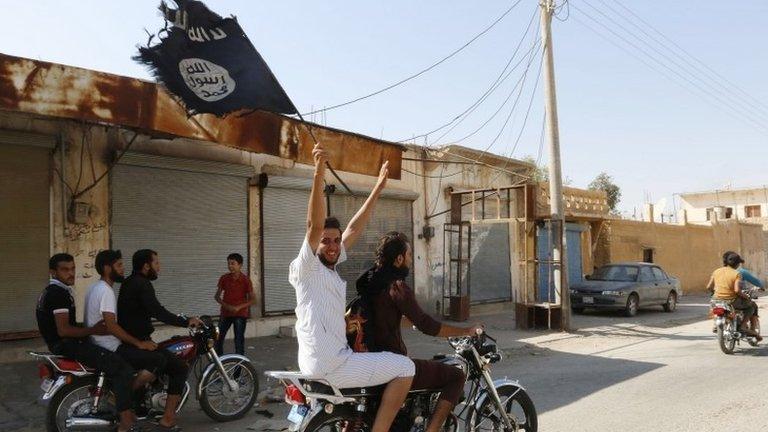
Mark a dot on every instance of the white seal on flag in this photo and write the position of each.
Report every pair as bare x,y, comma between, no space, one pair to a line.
209,81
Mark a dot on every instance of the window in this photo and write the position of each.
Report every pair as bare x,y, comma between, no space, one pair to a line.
710,213
658,274
752,211
616,273
646,275
648,255
728,212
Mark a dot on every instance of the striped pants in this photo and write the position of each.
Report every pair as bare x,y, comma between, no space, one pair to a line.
370,369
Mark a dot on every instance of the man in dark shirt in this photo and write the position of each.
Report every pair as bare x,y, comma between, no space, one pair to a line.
137,304
56,321
389,298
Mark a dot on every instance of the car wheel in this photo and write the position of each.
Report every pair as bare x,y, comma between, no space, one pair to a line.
578,310
633,303
671,303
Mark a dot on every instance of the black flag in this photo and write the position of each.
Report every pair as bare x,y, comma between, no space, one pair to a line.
211,65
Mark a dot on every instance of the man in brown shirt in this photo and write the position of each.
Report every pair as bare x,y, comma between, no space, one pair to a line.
389,298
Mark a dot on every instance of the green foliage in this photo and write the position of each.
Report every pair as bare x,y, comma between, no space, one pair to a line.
604,182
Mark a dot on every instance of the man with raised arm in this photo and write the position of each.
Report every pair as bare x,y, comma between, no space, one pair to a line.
321,301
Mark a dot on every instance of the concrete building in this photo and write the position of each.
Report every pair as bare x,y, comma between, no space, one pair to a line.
743,204
90,161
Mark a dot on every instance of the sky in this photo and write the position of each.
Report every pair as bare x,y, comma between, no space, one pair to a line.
657,121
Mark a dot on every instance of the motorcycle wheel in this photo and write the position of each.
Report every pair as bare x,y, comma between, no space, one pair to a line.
75,399
219,402
518,405
726,345
342,419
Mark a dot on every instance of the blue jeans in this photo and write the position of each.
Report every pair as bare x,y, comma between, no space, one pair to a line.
224,324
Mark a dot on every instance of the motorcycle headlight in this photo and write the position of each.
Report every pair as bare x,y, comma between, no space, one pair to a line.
613,293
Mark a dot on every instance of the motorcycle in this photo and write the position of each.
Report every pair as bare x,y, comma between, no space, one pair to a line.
496,405
728,322
78,398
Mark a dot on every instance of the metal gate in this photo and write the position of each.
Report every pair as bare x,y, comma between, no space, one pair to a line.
546,285
24,232
192,213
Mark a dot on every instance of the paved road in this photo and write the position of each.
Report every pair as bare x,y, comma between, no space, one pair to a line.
655,372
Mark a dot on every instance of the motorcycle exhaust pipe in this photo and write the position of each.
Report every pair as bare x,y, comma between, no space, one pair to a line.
89,424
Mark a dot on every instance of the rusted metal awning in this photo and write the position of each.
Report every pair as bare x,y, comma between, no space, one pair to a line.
55,90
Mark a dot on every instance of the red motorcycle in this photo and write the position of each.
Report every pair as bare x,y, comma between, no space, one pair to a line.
80,398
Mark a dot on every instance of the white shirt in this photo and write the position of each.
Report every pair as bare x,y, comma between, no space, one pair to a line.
100,299
321,296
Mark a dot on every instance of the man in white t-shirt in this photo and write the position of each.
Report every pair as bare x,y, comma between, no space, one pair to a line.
101,304
321,301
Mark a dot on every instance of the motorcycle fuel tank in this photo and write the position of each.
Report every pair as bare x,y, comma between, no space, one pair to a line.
184,347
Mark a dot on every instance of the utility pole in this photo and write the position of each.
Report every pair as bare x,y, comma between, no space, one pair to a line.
559,265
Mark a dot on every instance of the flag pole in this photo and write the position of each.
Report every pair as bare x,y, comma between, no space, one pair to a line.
301,117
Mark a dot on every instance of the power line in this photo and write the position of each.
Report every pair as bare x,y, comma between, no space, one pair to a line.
525,122
756,102
632,44
503,75
541,139
441,176
693,74
423,71
521,83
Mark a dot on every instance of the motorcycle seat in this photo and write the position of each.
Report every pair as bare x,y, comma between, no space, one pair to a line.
320,387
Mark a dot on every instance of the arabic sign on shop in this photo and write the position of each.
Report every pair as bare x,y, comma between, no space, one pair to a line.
211,65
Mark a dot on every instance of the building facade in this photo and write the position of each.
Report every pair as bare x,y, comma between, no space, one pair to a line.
90,161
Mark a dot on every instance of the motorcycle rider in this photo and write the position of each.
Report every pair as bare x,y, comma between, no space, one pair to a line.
56,321
101,304
726,284
320,304
137,304
389,297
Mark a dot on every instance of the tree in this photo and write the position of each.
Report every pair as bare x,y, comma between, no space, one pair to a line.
604,182
540,173
537,173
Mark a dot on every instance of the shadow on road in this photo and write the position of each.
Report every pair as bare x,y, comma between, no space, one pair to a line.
556,379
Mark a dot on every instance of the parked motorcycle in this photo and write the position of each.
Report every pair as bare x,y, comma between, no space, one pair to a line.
728,322
493,405
80,398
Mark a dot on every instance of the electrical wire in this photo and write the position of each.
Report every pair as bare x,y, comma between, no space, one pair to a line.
695,74
719,78
503,75
521,84
733,112
108,170
559,9
432,176
423,71
527,112
525,122
541,139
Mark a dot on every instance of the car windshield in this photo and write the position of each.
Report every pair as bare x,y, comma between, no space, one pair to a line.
617,273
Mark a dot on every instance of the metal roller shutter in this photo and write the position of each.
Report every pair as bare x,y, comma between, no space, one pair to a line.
389,215
193,214
490,278
24,232
284,209
284,222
